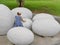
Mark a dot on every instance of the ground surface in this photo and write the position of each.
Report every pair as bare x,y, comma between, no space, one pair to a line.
37,41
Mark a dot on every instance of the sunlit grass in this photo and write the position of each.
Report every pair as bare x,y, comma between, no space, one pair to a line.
52,7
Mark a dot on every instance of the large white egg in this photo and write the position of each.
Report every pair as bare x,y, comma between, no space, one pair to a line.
27,23
25,13
6,19
20,36
42,16
46,27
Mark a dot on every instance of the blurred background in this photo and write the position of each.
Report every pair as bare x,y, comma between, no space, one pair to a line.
37,6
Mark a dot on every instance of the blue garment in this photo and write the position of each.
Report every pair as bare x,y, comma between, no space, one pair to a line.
18,21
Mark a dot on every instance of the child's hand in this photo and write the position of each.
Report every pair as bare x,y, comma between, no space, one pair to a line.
24,21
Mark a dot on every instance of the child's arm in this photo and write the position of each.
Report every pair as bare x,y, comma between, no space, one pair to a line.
22,19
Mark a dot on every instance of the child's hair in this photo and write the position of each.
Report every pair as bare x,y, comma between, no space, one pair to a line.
18,13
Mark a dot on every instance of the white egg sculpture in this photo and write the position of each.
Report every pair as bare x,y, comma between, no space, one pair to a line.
27,23
6,19
42,16
46,27
25,13
20,36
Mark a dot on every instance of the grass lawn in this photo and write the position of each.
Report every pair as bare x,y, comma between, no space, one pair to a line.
10,3
48,6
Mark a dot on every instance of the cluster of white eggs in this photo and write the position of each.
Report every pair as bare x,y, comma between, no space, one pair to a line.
26,15
42,24
17,35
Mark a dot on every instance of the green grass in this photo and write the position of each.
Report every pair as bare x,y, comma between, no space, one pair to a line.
52,7
10,3
39,0
48,6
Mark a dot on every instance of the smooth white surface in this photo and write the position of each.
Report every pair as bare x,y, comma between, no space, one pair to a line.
42,16
46,27
27,23
6,19
25,13
20,36
15,44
